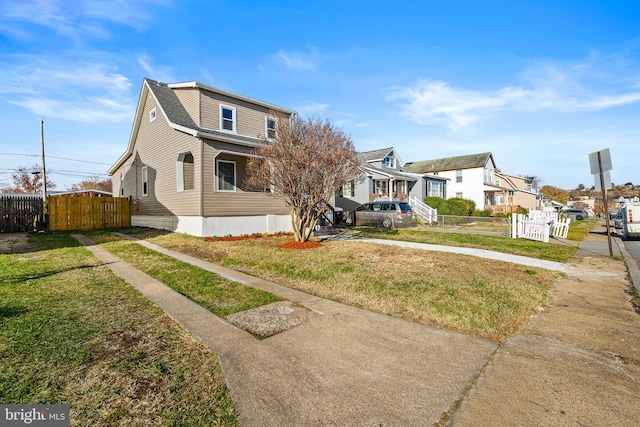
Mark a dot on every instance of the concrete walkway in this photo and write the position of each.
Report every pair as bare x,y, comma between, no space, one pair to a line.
344,366
573,364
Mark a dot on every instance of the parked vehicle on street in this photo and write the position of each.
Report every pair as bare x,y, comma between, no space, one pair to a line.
617,220
576,214
385,214
631,220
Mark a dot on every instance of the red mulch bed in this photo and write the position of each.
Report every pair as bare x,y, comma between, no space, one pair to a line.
300,245
245,237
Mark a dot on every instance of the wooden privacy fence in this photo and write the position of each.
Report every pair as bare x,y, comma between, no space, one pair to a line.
83,213
19,212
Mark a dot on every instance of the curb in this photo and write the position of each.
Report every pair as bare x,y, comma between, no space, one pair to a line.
632,267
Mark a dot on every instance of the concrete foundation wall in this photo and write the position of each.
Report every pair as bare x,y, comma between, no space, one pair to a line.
216,226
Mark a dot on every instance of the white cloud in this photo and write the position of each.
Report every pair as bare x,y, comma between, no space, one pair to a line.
89,110
74,19
89,92
311,107
593,85
298,61
163,74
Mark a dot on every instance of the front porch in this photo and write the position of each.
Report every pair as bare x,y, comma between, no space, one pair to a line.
499,201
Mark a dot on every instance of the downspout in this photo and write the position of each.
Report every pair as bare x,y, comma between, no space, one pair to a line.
201,178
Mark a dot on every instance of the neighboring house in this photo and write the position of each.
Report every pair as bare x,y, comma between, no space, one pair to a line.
523,191
583,202
471,177
185,164
386,179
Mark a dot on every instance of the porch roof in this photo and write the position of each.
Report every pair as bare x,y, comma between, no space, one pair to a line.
392,174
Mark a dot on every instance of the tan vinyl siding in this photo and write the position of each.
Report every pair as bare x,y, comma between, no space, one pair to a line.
157,147
190,99
239,202
250,119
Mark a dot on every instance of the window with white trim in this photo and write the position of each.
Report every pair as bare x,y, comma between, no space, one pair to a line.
458,195
121,184
271,127
227,119
226,175
145,180
185,171
152,115
390,162
435,189
458,175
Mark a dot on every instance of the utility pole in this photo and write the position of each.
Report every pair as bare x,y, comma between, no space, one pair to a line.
45,210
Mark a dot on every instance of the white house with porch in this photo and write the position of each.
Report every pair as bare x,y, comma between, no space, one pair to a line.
386,179
471,177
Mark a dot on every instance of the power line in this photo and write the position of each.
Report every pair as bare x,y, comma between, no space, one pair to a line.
56,157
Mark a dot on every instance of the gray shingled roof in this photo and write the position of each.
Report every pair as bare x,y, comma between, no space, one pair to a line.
448,163
178,115
368,156
171,105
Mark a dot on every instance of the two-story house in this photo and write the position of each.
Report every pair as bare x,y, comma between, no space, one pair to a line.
470,177
387,179
523,191
185,165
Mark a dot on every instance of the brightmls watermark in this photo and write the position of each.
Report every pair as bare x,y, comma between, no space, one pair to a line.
34,415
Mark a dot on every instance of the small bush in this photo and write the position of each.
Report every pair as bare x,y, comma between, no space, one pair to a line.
456,207
485,213
459,207
435,202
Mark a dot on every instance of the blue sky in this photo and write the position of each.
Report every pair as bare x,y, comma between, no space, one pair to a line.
540,84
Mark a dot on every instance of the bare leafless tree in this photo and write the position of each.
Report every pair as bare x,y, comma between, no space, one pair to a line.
93,183
303,163
27,180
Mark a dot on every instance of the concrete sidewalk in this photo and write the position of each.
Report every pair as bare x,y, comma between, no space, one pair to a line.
343,366
576,363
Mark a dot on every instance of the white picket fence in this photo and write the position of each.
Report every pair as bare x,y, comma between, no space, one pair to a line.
539,226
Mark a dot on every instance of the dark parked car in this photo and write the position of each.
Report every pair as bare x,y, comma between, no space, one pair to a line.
576,214
385,214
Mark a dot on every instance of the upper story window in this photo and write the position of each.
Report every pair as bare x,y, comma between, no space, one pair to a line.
121,184
488,174
227,119
152,115
458,175
390,162
271,127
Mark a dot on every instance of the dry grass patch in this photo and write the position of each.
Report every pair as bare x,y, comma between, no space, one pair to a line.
489,299
72,332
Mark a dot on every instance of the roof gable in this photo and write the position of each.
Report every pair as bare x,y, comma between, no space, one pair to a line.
375,155
179,119
450,163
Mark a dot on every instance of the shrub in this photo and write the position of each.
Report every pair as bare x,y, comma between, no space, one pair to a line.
521,210
485,213
456,207
435,202
459,207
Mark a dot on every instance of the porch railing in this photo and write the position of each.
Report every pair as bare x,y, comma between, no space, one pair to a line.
422,210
